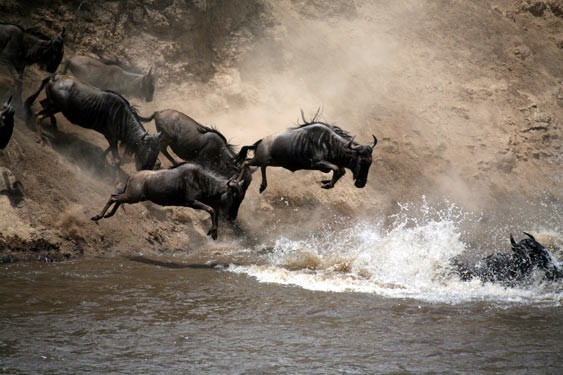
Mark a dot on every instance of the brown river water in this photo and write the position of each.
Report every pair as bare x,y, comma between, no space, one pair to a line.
312,306
362,300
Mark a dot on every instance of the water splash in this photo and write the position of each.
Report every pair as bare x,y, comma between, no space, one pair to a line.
412,259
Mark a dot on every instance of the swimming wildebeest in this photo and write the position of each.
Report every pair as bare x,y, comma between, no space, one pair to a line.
6,123
195,142
527,256
312,145
104,111
20,47
110,76
187,185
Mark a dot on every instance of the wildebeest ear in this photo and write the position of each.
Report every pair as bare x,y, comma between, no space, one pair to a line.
62,34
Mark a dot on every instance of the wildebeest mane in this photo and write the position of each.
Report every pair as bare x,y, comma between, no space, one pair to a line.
35,32
315,121
338,130
202,129
132,107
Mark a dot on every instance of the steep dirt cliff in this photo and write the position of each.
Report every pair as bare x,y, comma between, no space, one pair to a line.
466,98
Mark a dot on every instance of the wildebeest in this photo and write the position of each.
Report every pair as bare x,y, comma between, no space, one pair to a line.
6,123
312,145
527,256
187,185
110,76
104,111
195,142
20,47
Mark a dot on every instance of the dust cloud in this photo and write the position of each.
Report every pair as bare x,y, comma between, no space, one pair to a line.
443,94
462,97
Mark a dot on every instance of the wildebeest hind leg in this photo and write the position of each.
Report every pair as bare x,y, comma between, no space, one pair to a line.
110,201
113,210
44,113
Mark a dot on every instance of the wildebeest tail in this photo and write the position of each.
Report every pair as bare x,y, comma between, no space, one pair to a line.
29,101
244,151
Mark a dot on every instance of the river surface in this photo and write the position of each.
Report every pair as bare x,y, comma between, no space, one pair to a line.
357,301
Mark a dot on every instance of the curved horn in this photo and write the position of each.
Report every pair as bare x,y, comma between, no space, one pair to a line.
374,142
529,235
351,144
512,242
8,101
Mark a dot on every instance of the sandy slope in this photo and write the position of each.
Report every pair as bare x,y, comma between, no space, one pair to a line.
466,98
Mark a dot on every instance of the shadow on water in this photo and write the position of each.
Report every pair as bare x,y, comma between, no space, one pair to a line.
176,265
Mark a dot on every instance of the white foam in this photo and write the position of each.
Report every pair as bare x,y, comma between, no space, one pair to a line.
410,260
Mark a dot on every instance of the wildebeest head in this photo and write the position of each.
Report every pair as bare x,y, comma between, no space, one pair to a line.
361,161
148,85
233,197
147,152
537,254
54,53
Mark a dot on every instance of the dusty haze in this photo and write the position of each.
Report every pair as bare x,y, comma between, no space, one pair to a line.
465,97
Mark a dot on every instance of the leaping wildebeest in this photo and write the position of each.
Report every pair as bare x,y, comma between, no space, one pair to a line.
313,145
6,123
104,111
198,143
20,47
187,185
110,76
528,255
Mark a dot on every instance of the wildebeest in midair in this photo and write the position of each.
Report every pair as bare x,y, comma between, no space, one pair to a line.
528,255
20,47
110,76
187,185
195,142
313,145
104,111
6,123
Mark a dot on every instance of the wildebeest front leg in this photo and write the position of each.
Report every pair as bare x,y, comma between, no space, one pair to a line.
337,173
214,218
114,154
45,103
39,116
165,152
